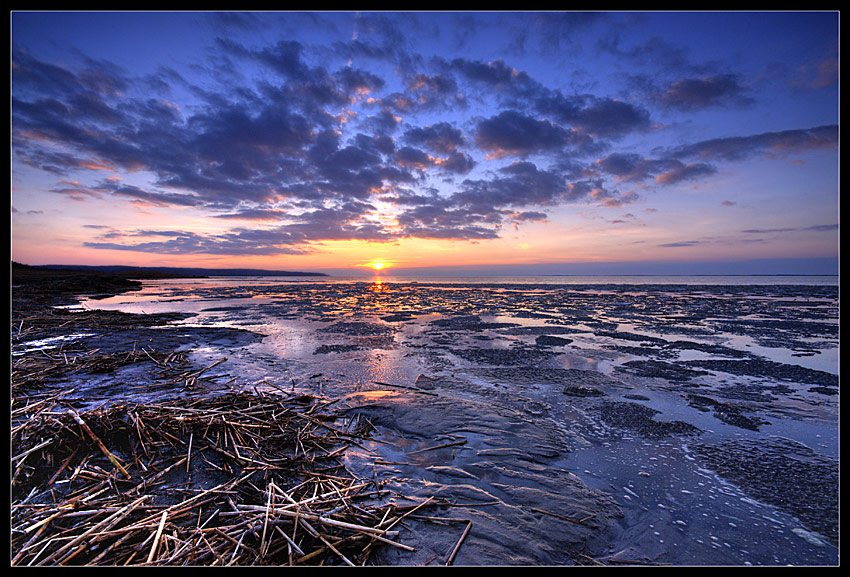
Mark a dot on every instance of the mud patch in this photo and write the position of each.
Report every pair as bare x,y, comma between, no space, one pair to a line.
768,369
517,356
565,378
641,419
469,406
469,323
551,341
325,349
782,472
730,413
661,370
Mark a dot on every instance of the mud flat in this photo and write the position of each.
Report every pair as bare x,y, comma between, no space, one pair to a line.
527,425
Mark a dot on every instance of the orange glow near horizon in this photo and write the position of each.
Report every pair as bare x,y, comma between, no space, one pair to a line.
575,240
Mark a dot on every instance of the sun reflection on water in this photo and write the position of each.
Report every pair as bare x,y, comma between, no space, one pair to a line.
378,286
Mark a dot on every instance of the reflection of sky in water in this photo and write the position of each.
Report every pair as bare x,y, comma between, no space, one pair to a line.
291,316
289,313
824,359
47,343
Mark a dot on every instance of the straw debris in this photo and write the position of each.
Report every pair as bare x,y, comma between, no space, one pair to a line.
237,479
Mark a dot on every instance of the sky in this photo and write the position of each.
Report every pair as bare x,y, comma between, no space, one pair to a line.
556,142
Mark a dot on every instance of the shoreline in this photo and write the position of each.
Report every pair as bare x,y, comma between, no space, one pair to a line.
408,417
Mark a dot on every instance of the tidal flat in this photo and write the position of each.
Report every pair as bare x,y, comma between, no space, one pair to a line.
541,424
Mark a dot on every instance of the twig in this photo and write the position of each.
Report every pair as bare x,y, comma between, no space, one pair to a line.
371,531
579,522
158,535
189,452
37,447
105,524
100,444
443,446
453,554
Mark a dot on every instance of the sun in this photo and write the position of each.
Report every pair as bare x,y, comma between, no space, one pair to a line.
377,264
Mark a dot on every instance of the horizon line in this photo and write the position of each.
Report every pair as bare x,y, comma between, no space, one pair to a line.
814,266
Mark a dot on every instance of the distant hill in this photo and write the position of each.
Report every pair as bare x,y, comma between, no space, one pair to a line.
156,272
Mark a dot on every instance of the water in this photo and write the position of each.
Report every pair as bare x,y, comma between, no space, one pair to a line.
690,280
448,358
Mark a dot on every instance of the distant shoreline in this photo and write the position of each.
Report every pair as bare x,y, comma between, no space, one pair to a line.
159,271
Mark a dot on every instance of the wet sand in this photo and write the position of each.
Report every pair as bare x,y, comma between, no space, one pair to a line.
685,425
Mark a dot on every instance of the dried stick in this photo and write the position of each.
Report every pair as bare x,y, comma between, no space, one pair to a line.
100,444
106,523
579,522
451,558
370,531
152,554
452,444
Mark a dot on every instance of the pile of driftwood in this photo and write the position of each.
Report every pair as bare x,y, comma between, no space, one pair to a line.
238,479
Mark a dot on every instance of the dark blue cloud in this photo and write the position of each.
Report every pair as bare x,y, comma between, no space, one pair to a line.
441,137
516,134
696,93
735,148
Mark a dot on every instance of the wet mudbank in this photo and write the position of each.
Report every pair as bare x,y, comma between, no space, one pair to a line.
771,369
554,425
496,464
34,288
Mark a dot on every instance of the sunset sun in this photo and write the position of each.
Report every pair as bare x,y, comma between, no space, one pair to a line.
377,264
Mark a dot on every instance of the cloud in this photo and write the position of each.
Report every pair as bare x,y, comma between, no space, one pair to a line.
588,115
668,168
821,72
610,118
238,242
441,137
495,74
519,184
76,191
414,158
457,162
516,134
255,214
684,243
814,228
527,216
683,172
708,91
152,198
438,221
632,167
348,221
592,116
742,147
